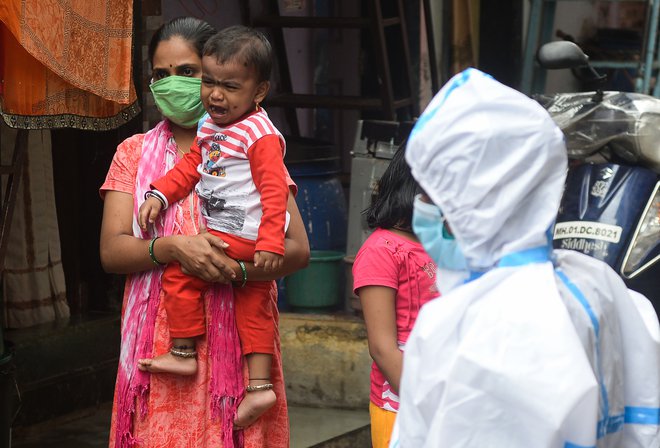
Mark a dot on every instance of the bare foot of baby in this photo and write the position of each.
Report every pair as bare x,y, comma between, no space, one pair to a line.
253,406
168,363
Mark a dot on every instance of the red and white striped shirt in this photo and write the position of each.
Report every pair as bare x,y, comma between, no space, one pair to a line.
242,179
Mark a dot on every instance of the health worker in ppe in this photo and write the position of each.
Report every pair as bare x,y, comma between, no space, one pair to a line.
538,347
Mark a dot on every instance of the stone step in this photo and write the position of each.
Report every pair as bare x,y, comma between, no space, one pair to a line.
62,368
329,428
310,428
64,371
88,428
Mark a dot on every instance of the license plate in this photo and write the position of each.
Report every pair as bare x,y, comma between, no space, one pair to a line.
588,229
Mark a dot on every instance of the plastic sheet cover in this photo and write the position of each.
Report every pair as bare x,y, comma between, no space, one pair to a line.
623,127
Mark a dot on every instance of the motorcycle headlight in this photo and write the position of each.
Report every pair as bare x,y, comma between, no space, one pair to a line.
643,249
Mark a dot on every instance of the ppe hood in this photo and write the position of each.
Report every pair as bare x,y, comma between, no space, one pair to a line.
494,162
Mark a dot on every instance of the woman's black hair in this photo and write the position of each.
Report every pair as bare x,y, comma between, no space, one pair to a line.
392,199
190,29
244,43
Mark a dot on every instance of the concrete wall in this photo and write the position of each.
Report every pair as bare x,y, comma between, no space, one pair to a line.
581,19
326,360
578,20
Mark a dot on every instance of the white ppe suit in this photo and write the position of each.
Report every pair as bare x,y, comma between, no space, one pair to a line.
542,348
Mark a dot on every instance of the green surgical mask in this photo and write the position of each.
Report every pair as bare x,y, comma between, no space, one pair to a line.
178,98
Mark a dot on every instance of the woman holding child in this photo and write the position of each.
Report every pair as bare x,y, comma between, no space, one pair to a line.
159,410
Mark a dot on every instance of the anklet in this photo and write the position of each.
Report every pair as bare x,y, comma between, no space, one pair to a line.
183,347
268,386
181,354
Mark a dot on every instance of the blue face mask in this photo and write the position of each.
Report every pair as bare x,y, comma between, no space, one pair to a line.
428,225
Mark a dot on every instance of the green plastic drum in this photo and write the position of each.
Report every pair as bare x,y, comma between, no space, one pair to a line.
320,286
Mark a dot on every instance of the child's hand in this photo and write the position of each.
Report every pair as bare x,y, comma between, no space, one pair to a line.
148,212
268,260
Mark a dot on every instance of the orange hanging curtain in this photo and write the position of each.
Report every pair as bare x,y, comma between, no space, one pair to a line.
66,63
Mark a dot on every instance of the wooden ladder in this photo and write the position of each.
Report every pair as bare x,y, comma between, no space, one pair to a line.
388,102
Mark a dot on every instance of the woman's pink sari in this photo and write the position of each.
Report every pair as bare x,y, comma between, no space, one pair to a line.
168,410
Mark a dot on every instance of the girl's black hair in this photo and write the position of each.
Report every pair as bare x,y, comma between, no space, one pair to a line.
392,199
192,30
248,45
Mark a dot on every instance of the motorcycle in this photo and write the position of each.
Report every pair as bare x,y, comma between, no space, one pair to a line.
610,207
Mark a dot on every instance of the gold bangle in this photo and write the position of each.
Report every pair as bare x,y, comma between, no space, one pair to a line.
268,386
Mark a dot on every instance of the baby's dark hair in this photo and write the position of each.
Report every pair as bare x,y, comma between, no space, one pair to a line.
248,45
392,199
192,30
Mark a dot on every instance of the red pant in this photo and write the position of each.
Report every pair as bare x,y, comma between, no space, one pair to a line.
254,307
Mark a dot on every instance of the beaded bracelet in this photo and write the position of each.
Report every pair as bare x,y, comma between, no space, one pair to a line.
151,252
242,265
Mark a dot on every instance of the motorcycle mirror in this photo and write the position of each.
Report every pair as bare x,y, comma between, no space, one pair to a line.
561,54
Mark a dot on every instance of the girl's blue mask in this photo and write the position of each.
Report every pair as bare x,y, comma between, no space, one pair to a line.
428,224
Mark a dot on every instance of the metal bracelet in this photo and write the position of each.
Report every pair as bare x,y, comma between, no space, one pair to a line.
268,386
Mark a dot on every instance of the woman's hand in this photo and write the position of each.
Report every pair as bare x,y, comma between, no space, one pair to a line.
121,253
203,256
199,255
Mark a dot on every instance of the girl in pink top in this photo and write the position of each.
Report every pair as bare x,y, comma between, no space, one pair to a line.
393,277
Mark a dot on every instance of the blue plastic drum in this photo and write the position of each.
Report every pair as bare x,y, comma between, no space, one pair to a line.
314,167
323,209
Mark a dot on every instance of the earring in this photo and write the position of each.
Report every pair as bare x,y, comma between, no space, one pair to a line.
256,107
